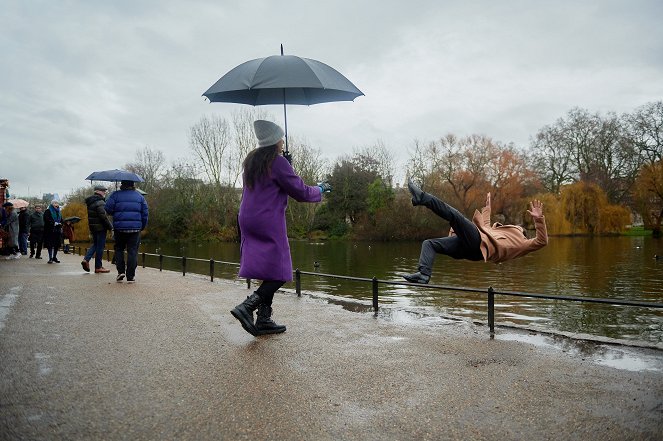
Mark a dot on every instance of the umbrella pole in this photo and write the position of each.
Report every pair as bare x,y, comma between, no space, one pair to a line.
285,114
285,117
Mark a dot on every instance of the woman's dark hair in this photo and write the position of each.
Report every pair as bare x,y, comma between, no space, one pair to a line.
257,164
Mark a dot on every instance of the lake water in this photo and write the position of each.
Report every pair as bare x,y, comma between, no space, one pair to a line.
607,267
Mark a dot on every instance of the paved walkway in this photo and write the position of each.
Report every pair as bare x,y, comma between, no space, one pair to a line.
84,357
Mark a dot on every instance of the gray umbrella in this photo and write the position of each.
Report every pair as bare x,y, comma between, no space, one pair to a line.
282,79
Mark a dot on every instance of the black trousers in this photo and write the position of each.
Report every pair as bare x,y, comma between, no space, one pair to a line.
267,289
464,245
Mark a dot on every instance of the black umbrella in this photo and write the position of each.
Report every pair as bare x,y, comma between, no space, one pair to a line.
114,176
282,79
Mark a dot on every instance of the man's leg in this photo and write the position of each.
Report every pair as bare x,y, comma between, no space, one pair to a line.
120,244
99,242
133,239
470,240
40,244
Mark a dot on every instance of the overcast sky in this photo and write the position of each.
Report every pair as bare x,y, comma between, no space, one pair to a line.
85,84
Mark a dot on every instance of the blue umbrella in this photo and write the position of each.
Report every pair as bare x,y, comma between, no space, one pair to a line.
282,79
114,176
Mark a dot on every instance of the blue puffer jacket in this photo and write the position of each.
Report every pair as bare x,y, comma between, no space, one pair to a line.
129,210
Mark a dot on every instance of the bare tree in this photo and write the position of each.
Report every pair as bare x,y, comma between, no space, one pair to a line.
244,140
210,141
553,159
378,159
645,127
150,165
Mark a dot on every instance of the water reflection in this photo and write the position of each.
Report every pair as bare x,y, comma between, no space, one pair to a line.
619,267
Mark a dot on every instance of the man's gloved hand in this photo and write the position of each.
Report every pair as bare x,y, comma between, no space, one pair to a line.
325,187
288,156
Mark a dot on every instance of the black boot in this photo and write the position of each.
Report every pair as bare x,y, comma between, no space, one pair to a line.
416,192
244,313
417,277
264,322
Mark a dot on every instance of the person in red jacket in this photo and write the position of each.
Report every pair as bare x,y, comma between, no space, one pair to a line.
476,239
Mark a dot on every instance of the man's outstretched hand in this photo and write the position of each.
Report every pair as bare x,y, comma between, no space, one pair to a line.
536,209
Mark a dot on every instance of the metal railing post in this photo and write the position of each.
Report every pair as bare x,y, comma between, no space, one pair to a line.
143,259
298,282
160,262
211,270
375,295
248,283
107,254
184,265
491,311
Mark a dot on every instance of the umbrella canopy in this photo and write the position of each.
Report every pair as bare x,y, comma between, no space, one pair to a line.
114,176
19,203
72,219
282,79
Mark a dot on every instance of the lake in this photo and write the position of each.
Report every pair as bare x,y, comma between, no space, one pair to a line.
604,267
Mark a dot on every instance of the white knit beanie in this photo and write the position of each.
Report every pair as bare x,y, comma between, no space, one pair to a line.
267,132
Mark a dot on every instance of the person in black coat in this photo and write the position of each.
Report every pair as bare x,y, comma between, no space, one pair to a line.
53,231
36,222
23,230
99,224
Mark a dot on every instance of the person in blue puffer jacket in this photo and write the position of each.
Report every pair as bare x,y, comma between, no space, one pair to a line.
129,211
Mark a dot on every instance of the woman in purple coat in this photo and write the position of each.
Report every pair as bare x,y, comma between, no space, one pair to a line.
265,253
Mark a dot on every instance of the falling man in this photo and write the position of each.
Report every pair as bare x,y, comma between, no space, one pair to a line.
476,239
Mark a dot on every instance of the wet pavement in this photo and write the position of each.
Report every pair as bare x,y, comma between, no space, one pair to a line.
84,357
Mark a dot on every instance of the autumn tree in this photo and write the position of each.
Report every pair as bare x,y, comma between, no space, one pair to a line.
648,196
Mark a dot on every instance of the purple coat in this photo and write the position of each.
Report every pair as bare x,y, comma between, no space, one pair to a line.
265,252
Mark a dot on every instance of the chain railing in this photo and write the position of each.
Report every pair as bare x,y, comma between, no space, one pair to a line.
490,292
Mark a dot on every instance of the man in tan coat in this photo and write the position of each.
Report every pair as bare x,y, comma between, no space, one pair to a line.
476,239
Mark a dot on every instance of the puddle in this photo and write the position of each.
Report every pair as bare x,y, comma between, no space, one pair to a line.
615,356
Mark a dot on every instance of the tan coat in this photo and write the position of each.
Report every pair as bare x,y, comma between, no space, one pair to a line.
500,243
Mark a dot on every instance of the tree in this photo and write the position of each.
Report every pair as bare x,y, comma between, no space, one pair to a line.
645,127
210,141
149,165
587,147
648,196
243,141
553,159
310,166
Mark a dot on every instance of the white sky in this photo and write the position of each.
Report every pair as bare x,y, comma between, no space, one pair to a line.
84,84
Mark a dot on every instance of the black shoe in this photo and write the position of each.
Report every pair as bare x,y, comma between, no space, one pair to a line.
265,324
120,277
38,257
417,193
56,260
417,278
50,261
244,313
31,256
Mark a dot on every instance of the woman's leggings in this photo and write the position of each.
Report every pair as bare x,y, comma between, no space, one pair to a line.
267,289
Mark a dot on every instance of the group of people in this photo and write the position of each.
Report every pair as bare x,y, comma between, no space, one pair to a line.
41,228
269,179
47,229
